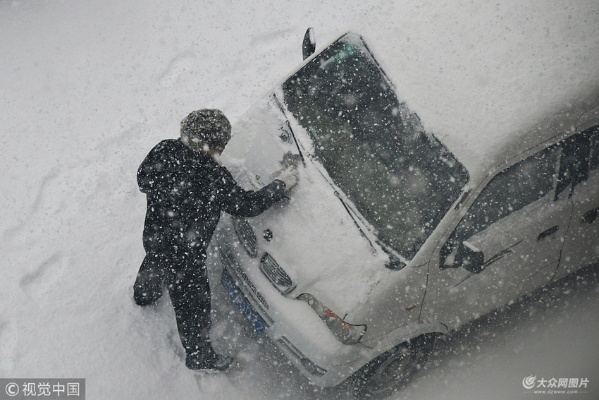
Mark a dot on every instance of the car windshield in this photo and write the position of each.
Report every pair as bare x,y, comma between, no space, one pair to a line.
401,179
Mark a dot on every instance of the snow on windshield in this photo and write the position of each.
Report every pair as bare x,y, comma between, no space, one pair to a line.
401,179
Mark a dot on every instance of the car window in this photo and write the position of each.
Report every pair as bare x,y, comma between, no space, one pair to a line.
509,191
574,163
512,189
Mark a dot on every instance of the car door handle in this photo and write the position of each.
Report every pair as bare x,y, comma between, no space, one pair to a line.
548,232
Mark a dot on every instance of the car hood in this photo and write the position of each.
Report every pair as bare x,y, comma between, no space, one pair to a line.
314,235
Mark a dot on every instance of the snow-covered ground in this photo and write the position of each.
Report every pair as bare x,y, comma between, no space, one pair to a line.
87,88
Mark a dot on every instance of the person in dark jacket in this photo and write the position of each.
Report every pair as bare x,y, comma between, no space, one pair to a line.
187,189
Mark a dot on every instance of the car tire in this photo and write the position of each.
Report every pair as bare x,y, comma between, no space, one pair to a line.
392,370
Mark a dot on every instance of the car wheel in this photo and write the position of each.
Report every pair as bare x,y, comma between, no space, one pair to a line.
393,369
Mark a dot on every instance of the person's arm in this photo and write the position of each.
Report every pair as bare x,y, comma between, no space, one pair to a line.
246,203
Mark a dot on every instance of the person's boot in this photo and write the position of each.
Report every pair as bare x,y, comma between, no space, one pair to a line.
147,288
208,360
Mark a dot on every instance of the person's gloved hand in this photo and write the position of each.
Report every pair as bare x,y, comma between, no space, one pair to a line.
291,159
289,176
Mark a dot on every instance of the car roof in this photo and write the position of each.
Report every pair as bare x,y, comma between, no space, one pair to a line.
490,80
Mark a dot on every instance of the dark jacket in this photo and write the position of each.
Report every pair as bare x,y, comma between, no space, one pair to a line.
186,192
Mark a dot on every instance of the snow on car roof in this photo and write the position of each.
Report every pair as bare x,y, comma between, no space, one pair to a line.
480,76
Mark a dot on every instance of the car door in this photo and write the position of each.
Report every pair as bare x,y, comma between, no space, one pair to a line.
580,168
509,239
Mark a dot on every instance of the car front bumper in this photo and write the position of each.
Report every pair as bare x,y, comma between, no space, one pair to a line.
291,324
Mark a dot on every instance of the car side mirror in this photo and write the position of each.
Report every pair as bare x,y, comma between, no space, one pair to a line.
470,258
309,43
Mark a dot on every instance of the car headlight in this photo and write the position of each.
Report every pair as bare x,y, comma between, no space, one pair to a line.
345,332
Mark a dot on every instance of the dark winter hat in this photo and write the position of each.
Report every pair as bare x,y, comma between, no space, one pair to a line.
203,130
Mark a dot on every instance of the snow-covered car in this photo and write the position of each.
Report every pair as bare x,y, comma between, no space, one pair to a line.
398,232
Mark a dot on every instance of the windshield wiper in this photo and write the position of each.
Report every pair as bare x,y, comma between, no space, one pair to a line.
296,143
353,217
395,263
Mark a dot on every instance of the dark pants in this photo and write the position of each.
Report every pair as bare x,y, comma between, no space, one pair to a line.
187,282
